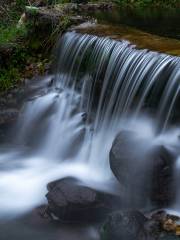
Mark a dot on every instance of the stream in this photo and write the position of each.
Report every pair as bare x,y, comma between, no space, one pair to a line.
66,129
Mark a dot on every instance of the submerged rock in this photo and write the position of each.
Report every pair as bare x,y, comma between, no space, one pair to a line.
69,201
145,172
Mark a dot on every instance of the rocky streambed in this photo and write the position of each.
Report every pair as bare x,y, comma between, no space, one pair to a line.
71,202
75,211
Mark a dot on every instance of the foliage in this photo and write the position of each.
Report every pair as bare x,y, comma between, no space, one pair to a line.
10,12
24,63
11,33
24,59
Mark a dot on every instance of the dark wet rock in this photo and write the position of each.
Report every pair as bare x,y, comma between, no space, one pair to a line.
127,162
123,155
133,225
132,156
152,228
125,225
162,176
70,201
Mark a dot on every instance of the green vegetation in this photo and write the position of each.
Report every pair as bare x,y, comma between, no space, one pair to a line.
11,34
24,63
10,40
8,77
19,50
14,49
24,47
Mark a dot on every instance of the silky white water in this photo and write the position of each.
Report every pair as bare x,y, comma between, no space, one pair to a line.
100,87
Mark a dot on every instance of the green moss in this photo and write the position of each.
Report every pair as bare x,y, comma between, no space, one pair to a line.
11,33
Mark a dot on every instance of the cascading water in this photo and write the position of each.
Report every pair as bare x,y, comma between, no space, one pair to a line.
100,87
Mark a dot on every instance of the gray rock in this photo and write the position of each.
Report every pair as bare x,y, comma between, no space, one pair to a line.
145,172
125,225
70,201
133,225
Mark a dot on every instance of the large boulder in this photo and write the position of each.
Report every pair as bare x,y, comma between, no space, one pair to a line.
70,201
145,171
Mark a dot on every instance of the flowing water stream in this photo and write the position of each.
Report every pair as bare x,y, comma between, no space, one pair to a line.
100,86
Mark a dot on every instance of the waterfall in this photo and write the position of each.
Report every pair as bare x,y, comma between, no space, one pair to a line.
100,86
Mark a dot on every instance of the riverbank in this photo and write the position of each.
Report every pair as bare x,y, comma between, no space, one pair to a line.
27,42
